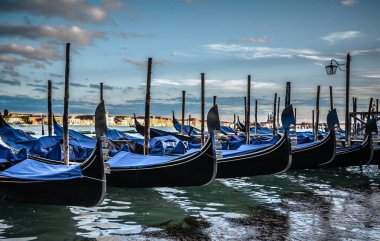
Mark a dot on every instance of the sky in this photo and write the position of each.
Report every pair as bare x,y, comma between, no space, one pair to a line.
274,41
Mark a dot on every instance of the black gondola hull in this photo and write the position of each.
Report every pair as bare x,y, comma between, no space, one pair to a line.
193,170
316,155
355,157
87,191
275,159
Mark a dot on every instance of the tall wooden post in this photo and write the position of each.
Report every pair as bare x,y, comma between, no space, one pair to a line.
234,121
317,114
274,114
214,100
101,91
255,116
147,109
189,119
50,112
247,124
295,118
245,114
42,125
278,112
66,108
312,120
354,109
287,95
202,109
348,120
331,99
377,105
183,112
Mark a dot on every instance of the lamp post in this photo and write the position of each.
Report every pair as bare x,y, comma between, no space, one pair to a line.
331,70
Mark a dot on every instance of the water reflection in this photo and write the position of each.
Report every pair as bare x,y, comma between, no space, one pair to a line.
298,205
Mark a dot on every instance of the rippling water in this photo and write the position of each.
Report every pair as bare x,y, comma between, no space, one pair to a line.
334,204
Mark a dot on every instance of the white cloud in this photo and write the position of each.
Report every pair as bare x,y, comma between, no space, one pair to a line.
45,53
337,36
74,10
315,57
372,75
72,34
231,85
251,52
260,40
348,2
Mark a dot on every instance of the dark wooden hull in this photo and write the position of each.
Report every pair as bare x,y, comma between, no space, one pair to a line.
314,156
193,170
354,157
376,156
274,159
87,191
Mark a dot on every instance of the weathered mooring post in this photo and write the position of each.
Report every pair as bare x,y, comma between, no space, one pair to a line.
147,109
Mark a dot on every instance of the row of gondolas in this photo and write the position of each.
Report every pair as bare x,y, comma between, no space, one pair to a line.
31,169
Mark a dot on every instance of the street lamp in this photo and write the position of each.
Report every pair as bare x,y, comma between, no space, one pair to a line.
331,70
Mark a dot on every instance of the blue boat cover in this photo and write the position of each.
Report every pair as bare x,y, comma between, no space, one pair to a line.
7,155
227,130
244,149
39,171
189,130
132,160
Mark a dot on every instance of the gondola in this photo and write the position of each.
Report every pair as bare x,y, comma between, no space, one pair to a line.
252,160
255,160
43,181
194,168
357,154
315,154
158,133
188,129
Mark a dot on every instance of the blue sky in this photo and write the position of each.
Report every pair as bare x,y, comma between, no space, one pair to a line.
273,41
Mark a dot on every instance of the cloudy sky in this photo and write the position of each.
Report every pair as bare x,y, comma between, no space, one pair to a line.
274,41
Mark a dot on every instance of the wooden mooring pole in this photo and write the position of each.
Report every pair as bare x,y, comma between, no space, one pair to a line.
66,108
278,111
247,125
354,109
274,114
317,114
42,125
101,91
287,95
50,111
183,111
312,120
202,109
331,99
255,116
147,109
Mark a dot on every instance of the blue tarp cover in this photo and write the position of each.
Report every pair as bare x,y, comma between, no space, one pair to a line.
39,171
244,149
132,160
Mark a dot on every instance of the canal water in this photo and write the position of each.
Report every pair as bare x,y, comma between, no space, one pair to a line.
323,204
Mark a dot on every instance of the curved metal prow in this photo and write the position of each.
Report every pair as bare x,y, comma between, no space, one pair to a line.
287,116
100,120
332,119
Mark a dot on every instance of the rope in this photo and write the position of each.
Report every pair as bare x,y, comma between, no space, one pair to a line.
96,179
